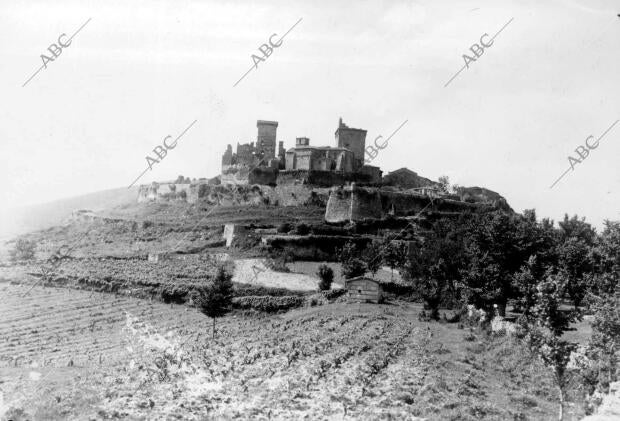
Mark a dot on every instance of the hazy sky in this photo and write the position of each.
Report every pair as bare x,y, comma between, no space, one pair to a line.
140,71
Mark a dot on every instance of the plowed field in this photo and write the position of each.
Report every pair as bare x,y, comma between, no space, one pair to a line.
67,354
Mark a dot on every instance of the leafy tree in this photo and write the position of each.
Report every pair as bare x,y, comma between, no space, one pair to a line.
575,227
546,327
394,254
497,245
606,260
215,299
526,283
444,183
326,274
575,264
435,264
353,268
352,264
604,345
374,256
23,250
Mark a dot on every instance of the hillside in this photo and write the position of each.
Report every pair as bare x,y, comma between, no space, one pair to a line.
21,220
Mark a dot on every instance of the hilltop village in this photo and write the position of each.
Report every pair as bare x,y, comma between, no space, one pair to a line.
335,176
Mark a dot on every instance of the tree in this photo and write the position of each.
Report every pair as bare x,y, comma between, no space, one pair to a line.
394,254
497,245
606,260
579,228
215,299
374,256
23,250
444,183
604,344
326,274
352,265
575,264
526,283
435,264
353,268
545,328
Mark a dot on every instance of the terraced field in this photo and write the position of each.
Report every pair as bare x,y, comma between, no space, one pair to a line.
67,354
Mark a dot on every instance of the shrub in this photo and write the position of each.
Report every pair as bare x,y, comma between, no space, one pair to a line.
327,277
246,241
332,294
302,229
284,227
146,224
23,250
268,303
245,290
174,293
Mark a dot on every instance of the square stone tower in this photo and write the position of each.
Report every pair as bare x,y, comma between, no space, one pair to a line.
352,139
266,140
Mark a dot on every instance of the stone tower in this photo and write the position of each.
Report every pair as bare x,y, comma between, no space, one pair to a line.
266,140
352,139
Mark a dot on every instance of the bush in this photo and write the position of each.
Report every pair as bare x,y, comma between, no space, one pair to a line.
146,224
23,250
175,293
302,229
327,277
332,294
283,228
268,304
353,267
246,241
245,290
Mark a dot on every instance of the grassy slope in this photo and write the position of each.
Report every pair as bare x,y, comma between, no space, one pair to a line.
372,361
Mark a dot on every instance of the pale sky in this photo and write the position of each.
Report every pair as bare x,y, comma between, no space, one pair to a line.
142,70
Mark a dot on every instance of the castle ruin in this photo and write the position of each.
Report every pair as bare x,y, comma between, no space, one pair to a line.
322,165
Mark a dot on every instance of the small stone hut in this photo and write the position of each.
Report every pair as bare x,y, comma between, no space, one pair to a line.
362,289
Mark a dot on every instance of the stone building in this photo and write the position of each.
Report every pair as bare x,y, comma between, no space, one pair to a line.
259,164
321,158
347,156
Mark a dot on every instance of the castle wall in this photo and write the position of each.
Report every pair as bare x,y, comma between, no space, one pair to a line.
338,206
320,178
357,203
365,204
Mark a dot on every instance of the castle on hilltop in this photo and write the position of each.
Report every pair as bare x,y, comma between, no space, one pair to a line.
322,165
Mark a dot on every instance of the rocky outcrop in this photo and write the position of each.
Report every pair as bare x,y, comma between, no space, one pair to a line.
354,203
483,195
407,179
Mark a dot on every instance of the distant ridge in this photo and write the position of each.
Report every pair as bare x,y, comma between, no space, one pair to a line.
24,219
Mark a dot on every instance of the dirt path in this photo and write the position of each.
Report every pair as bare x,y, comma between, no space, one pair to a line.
254,271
